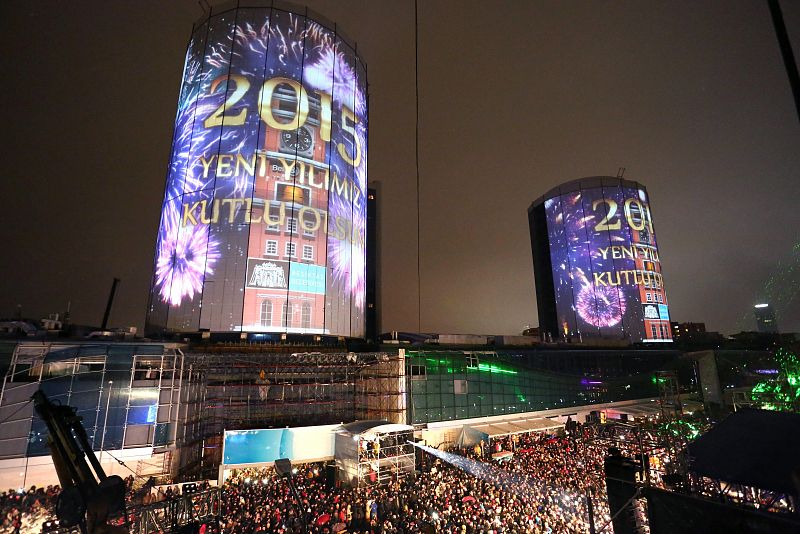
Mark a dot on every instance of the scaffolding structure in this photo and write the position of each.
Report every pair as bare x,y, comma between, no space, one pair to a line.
370,453
381,389
665,471
175,514
669,395
633,442
249,389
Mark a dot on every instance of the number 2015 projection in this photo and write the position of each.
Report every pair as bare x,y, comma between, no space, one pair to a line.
263,224
598,271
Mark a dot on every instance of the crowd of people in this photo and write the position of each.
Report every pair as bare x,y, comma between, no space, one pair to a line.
20,508
29,511
541,488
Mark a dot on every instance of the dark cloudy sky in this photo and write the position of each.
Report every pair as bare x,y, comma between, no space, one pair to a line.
515,98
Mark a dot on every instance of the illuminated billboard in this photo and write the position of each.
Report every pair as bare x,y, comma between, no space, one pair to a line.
596,262
241,447
264,216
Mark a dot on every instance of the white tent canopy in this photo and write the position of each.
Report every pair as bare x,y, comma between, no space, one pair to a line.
386,429
517,426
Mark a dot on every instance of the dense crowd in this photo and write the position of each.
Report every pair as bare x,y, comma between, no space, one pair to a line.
26,511
541,488
22,508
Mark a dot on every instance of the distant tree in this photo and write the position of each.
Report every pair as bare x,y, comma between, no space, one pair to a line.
781,393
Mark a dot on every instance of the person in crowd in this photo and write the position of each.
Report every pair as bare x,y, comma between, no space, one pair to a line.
542,489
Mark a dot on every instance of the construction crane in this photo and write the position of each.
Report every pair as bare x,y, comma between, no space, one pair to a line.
88,496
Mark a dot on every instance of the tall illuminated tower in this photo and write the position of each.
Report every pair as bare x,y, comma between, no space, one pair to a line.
596,262
765,319
263,224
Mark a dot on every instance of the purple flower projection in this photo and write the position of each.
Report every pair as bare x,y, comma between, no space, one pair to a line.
229,60
600,306
189,142
184,255
331,72
346,259
604,260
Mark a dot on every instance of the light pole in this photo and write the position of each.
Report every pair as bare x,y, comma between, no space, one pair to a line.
105,421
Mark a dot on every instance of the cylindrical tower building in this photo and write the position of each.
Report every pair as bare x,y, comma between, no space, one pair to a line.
264,216
596,262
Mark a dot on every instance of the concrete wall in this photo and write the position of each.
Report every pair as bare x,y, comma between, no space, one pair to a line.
39,470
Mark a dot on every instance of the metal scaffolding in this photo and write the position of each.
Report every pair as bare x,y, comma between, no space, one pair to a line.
669,394
235,389
370,453
173,514
381,389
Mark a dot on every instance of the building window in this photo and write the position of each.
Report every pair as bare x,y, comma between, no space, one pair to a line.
306,316
460,387
649,298
663,332
417,371
291,250
308,252
654,331
272,248
273,227
308,225
291,225
266,313
660,297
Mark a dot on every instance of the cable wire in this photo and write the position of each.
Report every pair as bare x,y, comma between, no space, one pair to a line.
416,157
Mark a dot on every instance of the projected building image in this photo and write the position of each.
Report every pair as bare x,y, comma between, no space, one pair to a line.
264,217
597,267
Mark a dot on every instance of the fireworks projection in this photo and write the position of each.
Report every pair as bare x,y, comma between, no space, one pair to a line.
597,268
264,215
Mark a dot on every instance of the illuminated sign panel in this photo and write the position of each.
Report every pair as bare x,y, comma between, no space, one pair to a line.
267,445
606,270
264,217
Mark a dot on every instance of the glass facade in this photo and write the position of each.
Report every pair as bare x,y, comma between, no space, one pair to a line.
448,385
127,394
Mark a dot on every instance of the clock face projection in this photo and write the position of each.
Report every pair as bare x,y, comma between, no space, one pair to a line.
265,202
299,140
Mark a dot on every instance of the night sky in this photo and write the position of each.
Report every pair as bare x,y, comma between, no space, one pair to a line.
515,97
